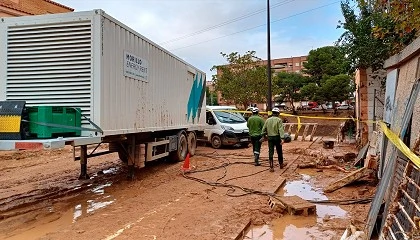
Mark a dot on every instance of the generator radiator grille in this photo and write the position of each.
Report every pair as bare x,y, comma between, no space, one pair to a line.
50,64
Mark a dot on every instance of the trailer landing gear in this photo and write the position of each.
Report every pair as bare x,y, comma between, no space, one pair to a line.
130,174
83,163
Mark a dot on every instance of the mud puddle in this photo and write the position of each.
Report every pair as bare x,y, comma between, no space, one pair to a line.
64,212
291,227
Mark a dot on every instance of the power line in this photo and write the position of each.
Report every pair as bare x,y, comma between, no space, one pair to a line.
281,19
226,22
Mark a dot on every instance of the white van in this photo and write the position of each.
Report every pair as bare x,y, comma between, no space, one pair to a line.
225,127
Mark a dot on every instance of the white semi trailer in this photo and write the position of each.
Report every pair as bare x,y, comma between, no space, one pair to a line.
142,100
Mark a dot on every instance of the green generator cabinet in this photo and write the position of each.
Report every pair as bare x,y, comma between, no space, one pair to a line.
42,116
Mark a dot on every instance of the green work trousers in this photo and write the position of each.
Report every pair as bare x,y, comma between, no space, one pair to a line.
274,141
256,144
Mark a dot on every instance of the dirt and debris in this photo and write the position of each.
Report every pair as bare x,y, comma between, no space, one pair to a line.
41,197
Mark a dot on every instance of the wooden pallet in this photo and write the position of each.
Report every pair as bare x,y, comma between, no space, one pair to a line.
298,206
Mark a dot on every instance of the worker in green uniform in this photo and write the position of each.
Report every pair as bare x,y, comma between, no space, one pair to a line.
274,129
255,124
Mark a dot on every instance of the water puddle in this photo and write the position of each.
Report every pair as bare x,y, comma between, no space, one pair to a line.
304,189
58,216
291,227
86,206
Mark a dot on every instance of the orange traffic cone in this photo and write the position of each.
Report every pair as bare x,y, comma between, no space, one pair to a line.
186,166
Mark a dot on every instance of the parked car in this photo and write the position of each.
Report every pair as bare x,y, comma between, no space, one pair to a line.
304,107
344,107
320,107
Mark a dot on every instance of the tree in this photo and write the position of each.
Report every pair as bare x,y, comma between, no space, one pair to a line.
289,85
311,91
243,80
211,97
402,18
327,66
326,61
363,49
334,88
377,29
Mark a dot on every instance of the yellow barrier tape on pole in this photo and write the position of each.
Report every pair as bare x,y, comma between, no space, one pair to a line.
298,120
299,116
388,132
398,143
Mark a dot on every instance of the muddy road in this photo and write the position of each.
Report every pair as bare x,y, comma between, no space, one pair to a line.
41,197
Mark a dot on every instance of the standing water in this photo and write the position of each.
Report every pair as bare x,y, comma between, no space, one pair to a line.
291,227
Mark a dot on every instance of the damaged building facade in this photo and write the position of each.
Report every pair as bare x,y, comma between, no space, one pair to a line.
395,209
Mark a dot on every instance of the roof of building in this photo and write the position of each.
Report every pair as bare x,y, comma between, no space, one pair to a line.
20,8
60,5
14,6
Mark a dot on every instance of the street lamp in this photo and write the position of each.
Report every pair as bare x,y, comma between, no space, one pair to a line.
269,101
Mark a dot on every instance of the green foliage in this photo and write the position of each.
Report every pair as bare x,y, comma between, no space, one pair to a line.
288,85
329,81
377,29
363,49
211,97
336,88
311,92
403,18
243,79
326,61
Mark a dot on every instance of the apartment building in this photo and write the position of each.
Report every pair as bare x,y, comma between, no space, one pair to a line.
16,8
292,64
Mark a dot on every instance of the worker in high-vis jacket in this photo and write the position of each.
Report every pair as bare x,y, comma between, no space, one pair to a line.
274,129
255,124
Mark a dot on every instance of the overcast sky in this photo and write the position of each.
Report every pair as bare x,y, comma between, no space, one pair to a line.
198,30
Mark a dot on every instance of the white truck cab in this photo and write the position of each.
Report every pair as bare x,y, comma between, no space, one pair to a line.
225,127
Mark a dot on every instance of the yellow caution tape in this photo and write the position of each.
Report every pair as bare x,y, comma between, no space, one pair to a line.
398,143
10,124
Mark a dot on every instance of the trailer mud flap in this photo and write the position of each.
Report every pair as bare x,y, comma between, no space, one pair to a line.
11,115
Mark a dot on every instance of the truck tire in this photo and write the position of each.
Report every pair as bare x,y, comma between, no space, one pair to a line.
122,152
216,141
180,154
120,148
192,143
245,145
122,156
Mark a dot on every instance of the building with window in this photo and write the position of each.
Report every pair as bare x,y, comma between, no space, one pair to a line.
292,64
16,8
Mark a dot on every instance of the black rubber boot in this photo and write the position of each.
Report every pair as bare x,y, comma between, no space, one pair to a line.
271,165
256,159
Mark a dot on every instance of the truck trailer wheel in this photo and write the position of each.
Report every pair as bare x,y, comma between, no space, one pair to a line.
123,156
180,154
192,143
122,152
121,148
216,141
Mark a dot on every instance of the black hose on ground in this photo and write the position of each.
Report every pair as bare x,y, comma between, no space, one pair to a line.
249,191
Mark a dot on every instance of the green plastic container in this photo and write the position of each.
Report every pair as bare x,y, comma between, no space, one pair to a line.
41,116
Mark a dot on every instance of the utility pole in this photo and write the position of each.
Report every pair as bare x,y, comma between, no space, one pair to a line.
269,97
